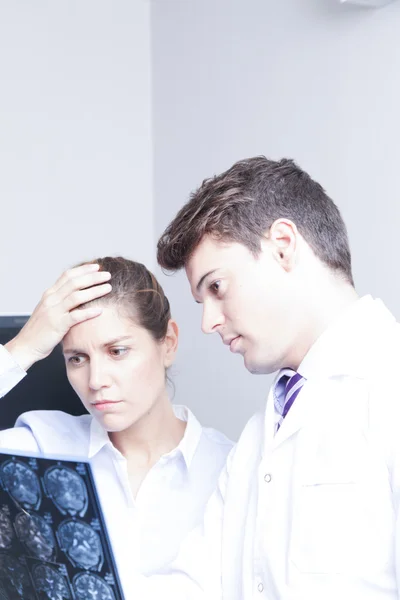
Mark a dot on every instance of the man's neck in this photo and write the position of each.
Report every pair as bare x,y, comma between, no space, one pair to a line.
322,304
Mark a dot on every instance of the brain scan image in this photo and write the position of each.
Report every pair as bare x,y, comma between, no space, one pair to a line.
50,584
15,579
91,587
22,483
6,532
3,595
67,490
81,543
54,544
37,535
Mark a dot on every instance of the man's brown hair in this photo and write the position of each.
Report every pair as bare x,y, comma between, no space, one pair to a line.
241,204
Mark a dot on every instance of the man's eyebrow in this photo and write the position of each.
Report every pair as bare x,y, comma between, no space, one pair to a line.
200,283
109,343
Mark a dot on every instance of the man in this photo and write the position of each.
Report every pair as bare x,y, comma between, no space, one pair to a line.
308,507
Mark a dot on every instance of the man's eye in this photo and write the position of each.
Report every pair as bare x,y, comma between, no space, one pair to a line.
215,286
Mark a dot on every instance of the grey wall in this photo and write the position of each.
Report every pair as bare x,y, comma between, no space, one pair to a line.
310,79
75,139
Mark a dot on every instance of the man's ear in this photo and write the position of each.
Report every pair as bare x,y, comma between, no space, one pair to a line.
171,343
282,238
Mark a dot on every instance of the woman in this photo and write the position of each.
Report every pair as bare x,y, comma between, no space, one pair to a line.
154,465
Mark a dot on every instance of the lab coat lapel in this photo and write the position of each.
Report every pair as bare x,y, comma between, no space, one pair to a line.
300,413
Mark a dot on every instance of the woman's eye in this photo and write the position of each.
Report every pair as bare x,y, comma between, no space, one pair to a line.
75,360
118,351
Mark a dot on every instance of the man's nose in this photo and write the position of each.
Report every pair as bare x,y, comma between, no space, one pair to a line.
213,317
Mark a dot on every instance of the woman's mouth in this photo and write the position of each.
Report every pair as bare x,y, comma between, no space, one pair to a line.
105,404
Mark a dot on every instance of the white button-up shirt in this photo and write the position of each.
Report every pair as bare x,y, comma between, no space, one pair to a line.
145,532
10,372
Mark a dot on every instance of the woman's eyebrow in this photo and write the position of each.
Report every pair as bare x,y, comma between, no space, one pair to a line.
117,340
105,344
72,351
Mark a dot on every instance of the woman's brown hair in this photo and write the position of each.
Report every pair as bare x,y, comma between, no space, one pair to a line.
136,291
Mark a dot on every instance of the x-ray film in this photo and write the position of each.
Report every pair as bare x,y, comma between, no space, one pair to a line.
53,540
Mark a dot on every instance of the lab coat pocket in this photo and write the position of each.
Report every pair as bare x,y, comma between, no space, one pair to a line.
323,535
338,528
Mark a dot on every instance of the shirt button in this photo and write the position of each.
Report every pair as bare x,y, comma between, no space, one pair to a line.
260,587
267,478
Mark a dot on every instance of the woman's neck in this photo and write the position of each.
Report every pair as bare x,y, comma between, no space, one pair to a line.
158,432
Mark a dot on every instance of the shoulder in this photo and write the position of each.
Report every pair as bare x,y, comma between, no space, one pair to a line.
377,359
201,439
56,419
249,445
55,431
215,446
243,458
217,438
205,449
381,378
18,439
253,428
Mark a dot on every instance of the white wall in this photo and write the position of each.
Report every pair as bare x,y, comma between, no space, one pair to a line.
75,139
309,79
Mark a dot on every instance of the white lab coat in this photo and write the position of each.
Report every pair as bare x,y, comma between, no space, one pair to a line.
313,511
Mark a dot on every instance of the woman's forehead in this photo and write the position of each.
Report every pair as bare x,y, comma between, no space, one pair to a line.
110,324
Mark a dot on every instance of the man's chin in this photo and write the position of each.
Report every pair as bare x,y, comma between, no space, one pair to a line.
258,368
253,368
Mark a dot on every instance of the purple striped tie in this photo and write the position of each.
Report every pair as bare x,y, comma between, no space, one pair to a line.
293,385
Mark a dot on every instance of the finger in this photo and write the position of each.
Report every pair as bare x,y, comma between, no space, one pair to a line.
87,295
73,273
85,314
82,282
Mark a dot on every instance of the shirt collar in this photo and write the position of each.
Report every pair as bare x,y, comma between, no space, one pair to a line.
350,344
186,447
98,438
191,438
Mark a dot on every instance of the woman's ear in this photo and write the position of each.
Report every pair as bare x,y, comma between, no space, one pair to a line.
170,343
